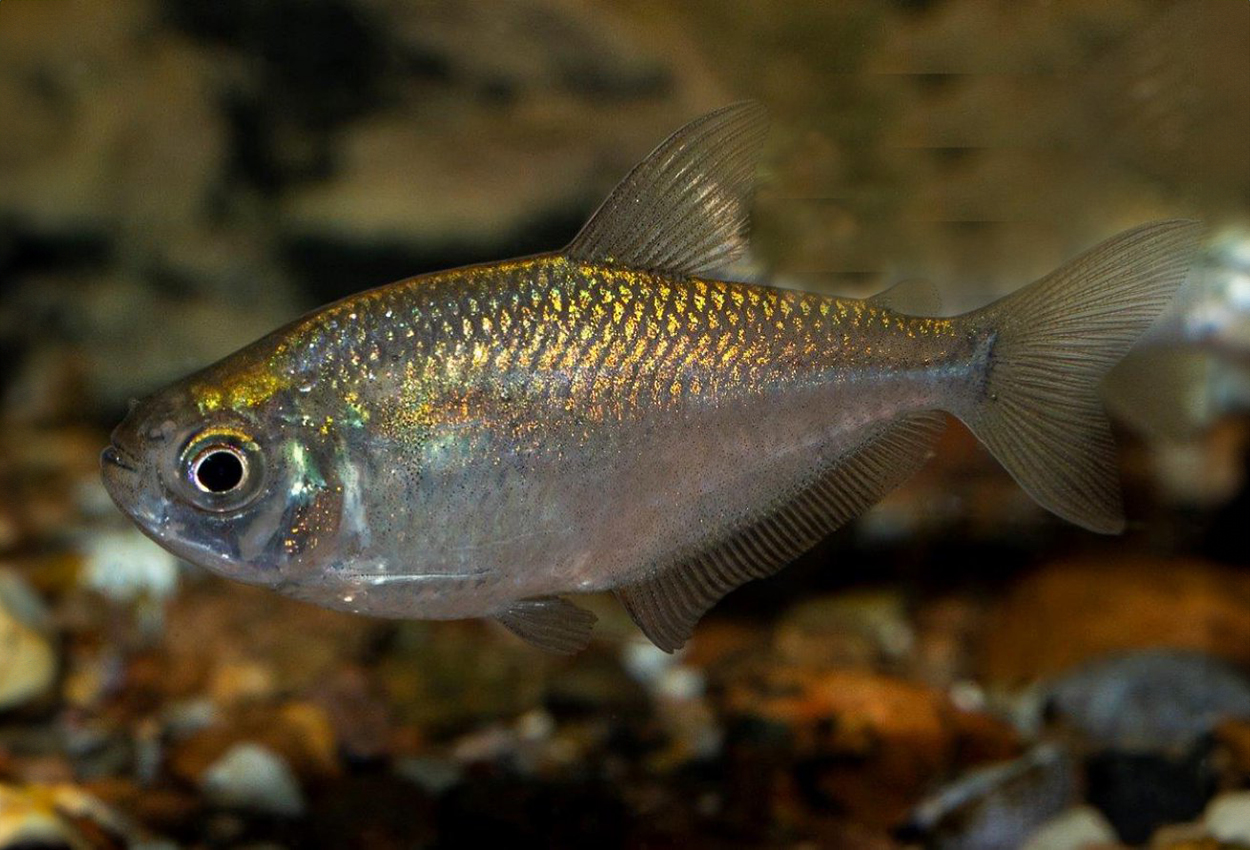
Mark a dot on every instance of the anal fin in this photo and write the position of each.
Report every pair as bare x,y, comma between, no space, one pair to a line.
668,604
553,624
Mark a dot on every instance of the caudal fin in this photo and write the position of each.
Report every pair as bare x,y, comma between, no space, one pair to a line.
1039,412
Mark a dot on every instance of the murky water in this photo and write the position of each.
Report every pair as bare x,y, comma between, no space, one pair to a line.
956,669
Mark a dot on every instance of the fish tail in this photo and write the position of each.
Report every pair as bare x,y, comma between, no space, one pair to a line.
1049,344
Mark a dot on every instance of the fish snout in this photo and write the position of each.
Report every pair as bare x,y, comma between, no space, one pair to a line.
114,456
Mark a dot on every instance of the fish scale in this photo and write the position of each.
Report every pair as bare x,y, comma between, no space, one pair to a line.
627,344
485,441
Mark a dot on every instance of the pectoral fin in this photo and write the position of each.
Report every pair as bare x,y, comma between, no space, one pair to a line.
553,624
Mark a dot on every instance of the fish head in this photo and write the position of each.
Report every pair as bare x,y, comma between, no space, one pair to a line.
248,491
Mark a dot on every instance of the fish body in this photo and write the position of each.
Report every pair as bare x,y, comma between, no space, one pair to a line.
482,441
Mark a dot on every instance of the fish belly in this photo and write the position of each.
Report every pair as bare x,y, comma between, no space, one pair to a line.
594,514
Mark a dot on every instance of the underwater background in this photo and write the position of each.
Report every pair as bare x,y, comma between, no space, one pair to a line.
956,669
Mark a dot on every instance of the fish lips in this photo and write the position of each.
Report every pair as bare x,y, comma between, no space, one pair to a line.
113,456
122,476
125,475
120,464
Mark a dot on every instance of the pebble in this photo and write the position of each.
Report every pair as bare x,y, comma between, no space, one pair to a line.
431,774
25,822
1228,818
126,566
1154,702
998,806
880,741
55,816
249,776
646,662
1144,724
22,602
852,629
28,663
1075,829
1075,612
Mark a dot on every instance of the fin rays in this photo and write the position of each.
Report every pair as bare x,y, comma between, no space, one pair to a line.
553,624
1053,341
667,605
685,208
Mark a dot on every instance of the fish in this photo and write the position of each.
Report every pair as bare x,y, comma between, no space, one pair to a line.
1193,366
487,441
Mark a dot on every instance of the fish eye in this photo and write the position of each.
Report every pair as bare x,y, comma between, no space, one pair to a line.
221,470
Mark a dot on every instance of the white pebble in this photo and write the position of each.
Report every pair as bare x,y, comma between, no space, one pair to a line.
126,566
1228,818
681,683
252,777
1074,829
646,662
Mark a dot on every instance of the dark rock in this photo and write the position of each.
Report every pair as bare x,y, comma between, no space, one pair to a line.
1147,724
371,810
495,810
1139,792
317,65
997,807
1152,702
867,745
598,686
24,250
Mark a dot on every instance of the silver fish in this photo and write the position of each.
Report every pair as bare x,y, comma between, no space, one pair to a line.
483,441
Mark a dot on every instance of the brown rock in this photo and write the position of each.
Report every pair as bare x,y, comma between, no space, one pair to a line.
947,629
43,470
157,808
218,623
28,661
1234,739
983,738
356,710
868,629
239,682
38,769
59,815
718,640
1071,612
299,732
449,675
881,740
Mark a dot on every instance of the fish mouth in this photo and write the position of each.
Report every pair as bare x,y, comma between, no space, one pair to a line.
121,473
116,456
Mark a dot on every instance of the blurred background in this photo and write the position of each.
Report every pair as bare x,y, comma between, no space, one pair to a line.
958,669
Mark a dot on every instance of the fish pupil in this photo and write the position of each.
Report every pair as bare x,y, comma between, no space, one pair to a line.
219,471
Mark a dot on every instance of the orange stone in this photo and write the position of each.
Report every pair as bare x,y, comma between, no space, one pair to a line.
1072,612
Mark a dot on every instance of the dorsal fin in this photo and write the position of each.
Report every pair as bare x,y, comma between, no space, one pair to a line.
685,208
668,604
550,623
912,297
